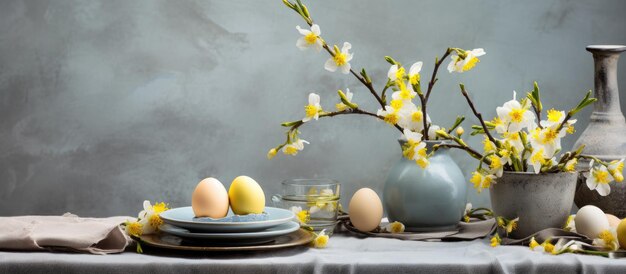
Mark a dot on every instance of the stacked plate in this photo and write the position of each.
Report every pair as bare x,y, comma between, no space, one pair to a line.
232,230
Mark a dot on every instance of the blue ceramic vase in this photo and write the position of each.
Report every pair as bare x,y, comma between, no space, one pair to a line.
429,199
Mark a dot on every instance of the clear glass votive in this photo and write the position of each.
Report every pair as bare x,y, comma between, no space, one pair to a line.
315,202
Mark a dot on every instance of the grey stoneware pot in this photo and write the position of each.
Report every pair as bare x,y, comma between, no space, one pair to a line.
539,200
430,199
605,135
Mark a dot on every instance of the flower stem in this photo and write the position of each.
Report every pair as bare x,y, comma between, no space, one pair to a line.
478,115
431,84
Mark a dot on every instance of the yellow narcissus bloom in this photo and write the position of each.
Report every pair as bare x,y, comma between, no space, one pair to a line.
405,92
295,147
395,227
313,109
534,245
616,168
149,216
488,145
607,239
495,240
482,181
570,166
414,72
341,106
548,139
310,38
340,59
511,225
396,73
570,224
466,61
134,228
515,115
321,240
302,216
389,114
415,149
497,166
599,179
537,159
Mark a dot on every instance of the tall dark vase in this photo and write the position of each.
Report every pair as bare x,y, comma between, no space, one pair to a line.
605,136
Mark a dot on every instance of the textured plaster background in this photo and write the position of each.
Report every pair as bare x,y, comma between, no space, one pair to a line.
106,103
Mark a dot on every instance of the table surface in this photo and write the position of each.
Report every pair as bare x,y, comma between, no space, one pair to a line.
344,254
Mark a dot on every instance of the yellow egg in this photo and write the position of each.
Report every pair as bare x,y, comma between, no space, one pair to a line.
210,199
365,209
621,234
246,196
613,220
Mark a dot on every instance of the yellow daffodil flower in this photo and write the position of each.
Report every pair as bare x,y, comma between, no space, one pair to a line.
313,109
295,147
341,106
310,38
548,139
150,216
511,225
464,63
415,149
616,168
340,59
607,239
537,159
414,72
302,216
495,240
395,227
389,114
396,73
599,179
321,240
497,165
570,166
134,228
515,115
488,145
534,245
482,181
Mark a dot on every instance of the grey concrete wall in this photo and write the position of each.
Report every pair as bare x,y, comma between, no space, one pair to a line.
106,103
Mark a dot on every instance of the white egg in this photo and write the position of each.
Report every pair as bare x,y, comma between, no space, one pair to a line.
590,221
365,209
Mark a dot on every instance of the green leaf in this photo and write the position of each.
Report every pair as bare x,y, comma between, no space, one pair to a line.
390,60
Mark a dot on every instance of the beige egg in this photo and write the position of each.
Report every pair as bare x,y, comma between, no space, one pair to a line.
365,209
590,221
613,220
210,199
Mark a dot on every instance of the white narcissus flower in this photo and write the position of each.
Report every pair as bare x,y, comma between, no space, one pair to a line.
537,159
415,148
389,114
599,179
414,72
570,224
310,38
395,72
547,138
149,216
341,106
412,137
340,59
313,109
460,65
516,116
295,147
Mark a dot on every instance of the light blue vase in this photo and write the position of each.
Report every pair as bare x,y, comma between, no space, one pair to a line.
430,199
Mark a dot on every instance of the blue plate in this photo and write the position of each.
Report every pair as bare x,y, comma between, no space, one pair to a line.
184,217
261,236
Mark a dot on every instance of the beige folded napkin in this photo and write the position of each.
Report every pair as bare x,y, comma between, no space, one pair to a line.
67,232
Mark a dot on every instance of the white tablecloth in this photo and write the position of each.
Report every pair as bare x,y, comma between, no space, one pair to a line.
345,254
